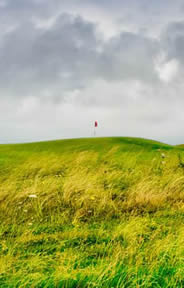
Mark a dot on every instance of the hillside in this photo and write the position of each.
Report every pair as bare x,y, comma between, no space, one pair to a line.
101,212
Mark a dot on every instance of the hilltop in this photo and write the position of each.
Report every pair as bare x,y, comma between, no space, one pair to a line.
99,212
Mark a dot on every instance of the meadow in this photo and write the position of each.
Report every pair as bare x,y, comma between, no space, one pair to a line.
99,212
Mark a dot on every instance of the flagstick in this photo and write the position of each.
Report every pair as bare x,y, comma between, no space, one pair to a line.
95,127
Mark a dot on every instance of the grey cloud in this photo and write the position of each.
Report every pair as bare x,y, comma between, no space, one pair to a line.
173,41
68,56
34,59
129,56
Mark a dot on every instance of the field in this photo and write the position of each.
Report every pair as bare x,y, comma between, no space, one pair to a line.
102,212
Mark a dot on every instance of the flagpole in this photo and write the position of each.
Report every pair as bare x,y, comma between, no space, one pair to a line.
95,126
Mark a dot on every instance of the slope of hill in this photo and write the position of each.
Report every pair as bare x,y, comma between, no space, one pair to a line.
102,212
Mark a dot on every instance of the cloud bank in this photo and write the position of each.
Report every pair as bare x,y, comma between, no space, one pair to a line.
64,65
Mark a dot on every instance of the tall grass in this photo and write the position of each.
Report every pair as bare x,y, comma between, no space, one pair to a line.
103,212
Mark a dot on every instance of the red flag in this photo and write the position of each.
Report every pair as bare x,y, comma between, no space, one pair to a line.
96,124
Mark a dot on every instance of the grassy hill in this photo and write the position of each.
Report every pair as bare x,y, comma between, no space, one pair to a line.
102,212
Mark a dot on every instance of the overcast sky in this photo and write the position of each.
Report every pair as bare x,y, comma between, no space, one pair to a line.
66,63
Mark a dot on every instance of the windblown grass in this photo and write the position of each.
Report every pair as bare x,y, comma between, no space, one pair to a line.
105,212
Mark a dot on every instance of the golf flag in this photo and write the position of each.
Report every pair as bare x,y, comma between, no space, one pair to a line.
96,124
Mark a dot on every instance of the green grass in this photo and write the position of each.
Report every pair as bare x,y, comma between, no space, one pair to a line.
103,212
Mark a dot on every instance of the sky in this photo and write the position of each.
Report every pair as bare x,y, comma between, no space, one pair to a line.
65,64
